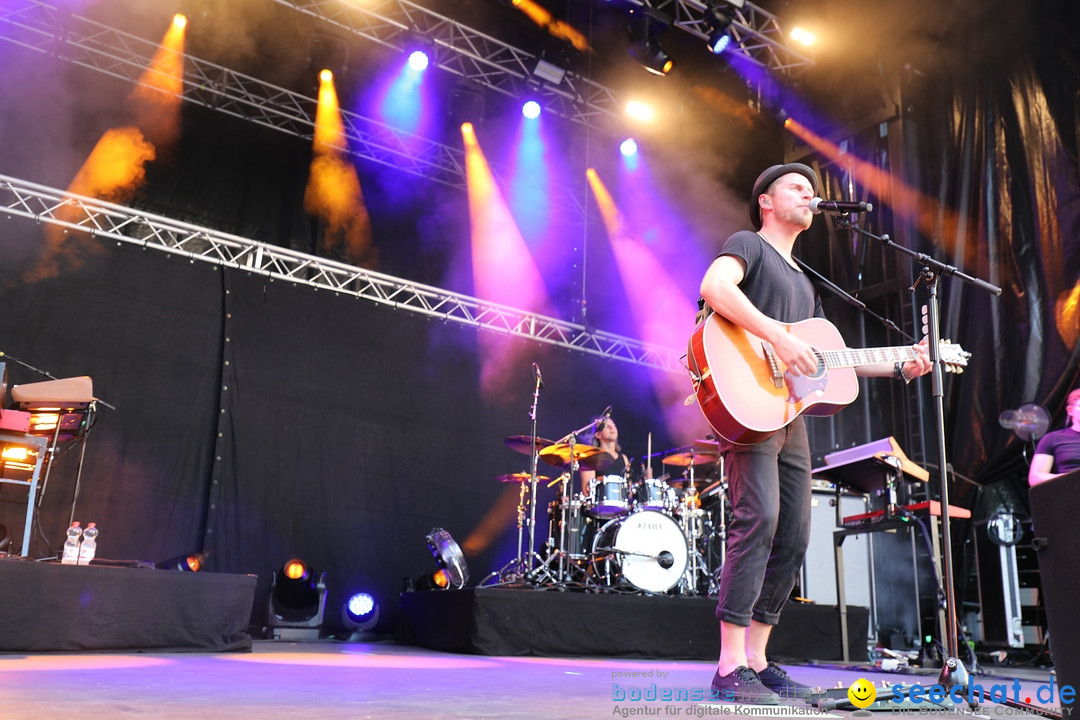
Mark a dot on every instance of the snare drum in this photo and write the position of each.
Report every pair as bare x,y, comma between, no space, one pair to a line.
609,496
655,494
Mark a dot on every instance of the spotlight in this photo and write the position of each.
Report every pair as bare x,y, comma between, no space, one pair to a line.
418,61
180,20
531,109
628,147
452,570
645,47
360,612
329,52
803,36
188,562
297,602
718,22
640,111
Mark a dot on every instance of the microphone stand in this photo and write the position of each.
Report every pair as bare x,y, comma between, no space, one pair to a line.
953,671
533,462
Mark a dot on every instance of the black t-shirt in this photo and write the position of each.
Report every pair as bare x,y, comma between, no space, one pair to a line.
777,289
1064,446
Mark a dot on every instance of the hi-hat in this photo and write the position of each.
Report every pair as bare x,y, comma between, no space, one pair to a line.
520,477
524,443
588,457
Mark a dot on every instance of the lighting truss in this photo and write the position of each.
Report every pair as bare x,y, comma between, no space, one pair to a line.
755,33
39,26
102,219
469,54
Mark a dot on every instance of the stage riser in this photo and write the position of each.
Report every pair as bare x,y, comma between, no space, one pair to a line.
501,621
49,607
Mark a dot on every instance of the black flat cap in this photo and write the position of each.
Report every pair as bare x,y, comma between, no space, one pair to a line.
770,176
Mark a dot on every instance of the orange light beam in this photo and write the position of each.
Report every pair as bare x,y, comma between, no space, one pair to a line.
503,269
556,28
906,201
333,193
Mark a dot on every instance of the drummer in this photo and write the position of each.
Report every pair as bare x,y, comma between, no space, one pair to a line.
606,437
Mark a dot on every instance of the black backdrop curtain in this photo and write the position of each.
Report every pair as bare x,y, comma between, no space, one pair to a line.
258,420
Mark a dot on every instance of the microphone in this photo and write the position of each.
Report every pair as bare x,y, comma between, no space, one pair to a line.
818,206
602,419
539,377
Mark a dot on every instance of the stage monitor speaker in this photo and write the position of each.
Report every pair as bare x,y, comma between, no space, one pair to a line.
819,569
1055,505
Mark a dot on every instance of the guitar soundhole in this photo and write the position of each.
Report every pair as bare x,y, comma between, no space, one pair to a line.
820,369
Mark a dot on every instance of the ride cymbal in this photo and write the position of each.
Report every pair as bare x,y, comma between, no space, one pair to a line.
524,443
520,477
560,455
685,459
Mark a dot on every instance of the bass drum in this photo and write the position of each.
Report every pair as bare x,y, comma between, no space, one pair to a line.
647,548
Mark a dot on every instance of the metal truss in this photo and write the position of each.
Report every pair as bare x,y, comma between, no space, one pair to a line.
469,54
97,218
39,26
755,33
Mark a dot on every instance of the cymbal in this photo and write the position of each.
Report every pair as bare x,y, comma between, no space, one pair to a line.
523,443
520,477
587,456
690,457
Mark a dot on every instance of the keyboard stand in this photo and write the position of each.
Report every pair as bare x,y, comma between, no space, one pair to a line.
40,446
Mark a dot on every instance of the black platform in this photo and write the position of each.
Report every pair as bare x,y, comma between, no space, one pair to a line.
52,607
503,621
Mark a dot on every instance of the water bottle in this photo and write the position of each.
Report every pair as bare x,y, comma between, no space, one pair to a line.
89,544
71,545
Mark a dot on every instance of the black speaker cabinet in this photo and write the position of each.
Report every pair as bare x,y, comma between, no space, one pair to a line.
1055,506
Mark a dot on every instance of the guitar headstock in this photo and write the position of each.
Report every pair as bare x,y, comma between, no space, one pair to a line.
953,357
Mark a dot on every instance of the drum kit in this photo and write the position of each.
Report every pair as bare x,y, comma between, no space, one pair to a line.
624,534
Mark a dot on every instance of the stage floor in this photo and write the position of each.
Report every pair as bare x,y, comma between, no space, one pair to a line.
387,681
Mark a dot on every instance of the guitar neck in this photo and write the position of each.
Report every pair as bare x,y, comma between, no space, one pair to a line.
857,357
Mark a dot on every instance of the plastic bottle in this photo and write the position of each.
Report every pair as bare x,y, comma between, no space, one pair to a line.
89,544
71,545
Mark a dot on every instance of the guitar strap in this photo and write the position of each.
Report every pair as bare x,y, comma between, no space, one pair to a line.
823,282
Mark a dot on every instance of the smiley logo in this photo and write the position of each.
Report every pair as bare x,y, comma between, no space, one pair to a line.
862,693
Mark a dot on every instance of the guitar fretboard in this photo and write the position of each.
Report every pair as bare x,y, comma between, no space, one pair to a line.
853,357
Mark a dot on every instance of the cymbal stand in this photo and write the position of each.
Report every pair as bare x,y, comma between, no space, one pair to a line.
688,521
564,505
533,477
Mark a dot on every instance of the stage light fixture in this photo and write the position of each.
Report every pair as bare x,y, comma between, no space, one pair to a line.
803,36
640,111
180,20
328,53
531,109
452,572
297,602
718,19
418,60
187,562
549,73
360,612
645,28
628,147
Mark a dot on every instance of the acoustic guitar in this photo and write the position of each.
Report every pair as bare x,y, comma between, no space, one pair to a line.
746,392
